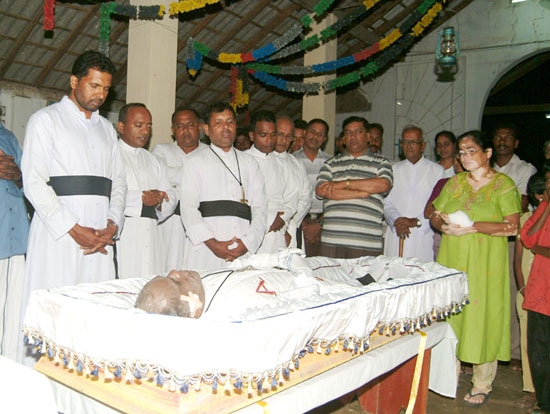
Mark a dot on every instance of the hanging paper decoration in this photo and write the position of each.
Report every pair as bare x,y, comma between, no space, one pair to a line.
49,6
138,12
239,87
186,6
400,43
276,49
356,57
105,26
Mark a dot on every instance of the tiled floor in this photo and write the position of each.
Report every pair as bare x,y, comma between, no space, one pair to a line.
506,390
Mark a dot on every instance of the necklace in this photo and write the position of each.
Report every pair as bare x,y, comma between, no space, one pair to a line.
239,180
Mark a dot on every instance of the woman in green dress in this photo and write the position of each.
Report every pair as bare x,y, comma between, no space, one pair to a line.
479,247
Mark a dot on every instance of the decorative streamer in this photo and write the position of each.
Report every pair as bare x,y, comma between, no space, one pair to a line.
105,26
350,60
276,48
49,6
398,44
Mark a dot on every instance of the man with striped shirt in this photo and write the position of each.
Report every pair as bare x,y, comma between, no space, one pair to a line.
353,185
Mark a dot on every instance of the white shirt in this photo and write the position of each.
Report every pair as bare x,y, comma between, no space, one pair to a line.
61,141
172,230
412,186
518,170
299,179
282,195
139,250
312,170
205,178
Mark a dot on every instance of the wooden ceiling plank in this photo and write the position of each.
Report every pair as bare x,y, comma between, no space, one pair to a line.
66,45
8,60
250,44
396,21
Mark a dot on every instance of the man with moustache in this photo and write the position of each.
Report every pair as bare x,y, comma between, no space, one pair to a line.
413,181
281,194
353,185
297,144
74,177
298,178
313,158
150,197
376,136
186,127
223,201
507,162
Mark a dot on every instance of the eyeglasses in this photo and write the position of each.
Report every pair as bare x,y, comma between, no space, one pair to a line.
288,136
349,132
470,152
410,142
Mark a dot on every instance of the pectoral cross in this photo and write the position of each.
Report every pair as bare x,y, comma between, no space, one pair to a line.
243,200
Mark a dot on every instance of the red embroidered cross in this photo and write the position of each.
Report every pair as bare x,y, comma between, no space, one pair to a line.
262,289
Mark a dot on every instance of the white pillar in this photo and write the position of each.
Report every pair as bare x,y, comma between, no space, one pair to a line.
322,105
152,69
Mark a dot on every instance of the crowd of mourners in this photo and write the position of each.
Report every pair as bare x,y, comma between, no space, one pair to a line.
104,207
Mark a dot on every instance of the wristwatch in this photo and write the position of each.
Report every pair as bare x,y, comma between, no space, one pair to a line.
418,223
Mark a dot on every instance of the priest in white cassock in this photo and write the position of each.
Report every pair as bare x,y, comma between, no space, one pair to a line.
281,194
223,201
74,177
150,196
413,181
298,178
186,127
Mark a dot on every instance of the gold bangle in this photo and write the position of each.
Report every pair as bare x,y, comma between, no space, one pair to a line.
347,184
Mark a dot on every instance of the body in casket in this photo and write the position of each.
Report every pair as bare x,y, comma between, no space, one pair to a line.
260,318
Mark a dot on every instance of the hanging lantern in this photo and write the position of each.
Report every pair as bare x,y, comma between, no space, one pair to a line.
448,48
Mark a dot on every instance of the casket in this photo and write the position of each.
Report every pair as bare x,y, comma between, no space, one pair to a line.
265,317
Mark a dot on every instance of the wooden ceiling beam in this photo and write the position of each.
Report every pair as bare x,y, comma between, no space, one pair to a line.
250,44
8,59
66,44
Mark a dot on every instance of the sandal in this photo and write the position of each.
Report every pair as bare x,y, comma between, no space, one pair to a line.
485,396
529,400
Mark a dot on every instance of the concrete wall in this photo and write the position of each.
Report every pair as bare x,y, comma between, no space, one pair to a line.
18,103
495,35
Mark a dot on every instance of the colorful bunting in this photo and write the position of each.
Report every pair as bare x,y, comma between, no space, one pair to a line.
49,6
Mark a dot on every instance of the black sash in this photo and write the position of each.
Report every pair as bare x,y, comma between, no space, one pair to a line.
149,212
225,208
70,185
177,209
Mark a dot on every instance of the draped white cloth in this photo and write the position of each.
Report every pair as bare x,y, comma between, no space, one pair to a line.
60,141
205,178
412,186
282,196
140,248
258,316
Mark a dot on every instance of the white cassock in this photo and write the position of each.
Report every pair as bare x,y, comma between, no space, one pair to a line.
139,249
61,142
412,186
205,178
298,178
282,196
172,232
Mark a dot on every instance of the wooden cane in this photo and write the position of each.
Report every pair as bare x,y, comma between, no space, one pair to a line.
401,245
